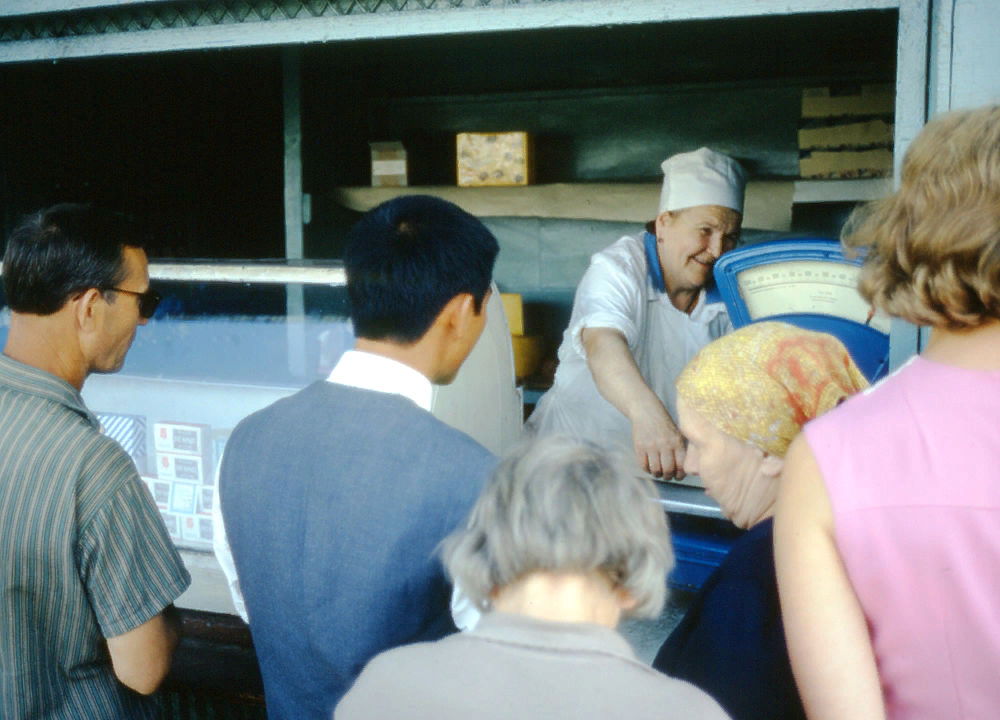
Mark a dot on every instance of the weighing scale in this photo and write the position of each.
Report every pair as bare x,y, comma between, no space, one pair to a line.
806,282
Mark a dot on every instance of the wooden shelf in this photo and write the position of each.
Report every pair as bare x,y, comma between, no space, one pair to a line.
594,201
818,191
768,203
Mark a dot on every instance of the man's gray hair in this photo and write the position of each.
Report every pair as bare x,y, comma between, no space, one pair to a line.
555,504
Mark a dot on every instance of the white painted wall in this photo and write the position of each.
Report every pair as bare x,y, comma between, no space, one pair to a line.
965,54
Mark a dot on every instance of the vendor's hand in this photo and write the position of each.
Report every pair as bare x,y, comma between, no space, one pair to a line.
659,445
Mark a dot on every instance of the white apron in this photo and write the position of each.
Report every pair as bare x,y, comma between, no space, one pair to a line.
617,292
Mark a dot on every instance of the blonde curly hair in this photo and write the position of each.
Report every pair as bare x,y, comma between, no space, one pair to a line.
934,245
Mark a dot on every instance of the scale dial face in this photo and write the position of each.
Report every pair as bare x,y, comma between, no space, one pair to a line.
807,286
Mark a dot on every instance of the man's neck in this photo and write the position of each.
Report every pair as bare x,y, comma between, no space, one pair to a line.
414,355
40,341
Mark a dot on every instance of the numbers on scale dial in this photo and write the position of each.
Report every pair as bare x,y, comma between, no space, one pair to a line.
806,286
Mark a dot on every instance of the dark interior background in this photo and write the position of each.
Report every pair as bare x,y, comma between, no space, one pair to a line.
191,144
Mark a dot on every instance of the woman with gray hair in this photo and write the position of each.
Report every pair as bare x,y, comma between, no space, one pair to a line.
560,545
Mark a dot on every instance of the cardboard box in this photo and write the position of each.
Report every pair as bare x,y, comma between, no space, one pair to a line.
220,436
149,482
129,431
175,466
197,531
159,489
183,498
513,308
172,523
870,133
527,354
845,164
161,493
388,164
206,500
189,438
864,100
493,159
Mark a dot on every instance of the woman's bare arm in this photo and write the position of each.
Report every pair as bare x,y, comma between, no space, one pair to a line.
827,634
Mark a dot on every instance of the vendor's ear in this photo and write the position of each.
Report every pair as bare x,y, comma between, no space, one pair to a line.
772,465
663,221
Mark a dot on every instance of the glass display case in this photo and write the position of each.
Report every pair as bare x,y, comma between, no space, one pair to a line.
229,339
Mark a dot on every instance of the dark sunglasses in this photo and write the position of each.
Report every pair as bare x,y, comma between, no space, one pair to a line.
148,301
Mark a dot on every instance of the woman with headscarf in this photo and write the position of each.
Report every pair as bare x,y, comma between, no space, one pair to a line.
561,543
740,402
887,533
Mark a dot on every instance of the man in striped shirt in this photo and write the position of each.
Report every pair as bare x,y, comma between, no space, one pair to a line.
87,572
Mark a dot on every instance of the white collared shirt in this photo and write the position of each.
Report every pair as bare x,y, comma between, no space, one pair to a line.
365,371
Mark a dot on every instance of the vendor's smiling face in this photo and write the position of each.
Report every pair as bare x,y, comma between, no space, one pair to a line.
689,242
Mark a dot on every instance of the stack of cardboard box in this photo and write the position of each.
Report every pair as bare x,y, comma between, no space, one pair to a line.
847,134
527,348
184,486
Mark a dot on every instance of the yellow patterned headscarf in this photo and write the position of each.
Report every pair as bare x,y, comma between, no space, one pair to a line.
763,382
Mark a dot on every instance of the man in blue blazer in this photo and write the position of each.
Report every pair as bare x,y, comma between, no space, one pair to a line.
334,499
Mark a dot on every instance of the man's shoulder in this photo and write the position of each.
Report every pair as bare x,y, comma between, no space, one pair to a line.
359,416
71,442
47,417
441,444
105,469
319,398
326,394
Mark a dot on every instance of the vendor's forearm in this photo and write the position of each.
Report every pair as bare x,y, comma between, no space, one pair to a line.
615,372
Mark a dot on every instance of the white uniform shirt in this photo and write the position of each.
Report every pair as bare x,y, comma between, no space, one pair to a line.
618,292
368,372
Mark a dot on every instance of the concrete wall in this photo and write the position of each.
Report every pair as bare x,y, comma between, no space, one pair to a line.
966,54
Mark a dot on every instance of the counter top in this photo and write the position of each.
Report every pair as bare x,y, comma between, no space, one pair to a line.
687,500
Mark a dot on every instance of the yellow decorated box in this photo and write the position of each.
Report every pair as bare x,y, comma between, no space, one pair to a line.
493,159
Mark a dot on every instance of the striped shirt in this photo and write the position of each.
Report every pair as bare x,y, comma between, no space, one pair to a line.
83,554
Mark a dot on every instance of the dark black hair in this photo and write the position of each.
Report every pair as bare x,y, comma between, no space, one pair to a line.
61,252
407,258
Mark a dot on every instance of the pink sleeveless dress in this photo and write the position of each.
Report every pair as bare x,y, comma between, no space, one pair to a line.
912,467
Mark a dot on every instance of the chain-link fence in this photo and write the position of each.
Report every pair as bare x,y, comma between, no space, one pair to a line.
139,18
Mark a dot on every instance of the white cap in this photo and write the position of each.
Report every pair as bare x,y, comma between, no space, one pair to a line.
702,177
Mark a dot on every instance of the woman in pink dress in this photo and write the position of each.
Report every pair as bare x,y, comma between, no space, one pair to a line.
887,530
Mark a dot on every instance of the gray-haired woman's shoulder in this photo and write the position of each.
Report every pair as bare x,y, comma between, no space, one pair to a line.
685,701
473,677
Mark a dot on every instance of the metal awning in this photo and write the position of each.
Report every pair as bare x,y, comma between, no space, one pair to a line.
58,29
